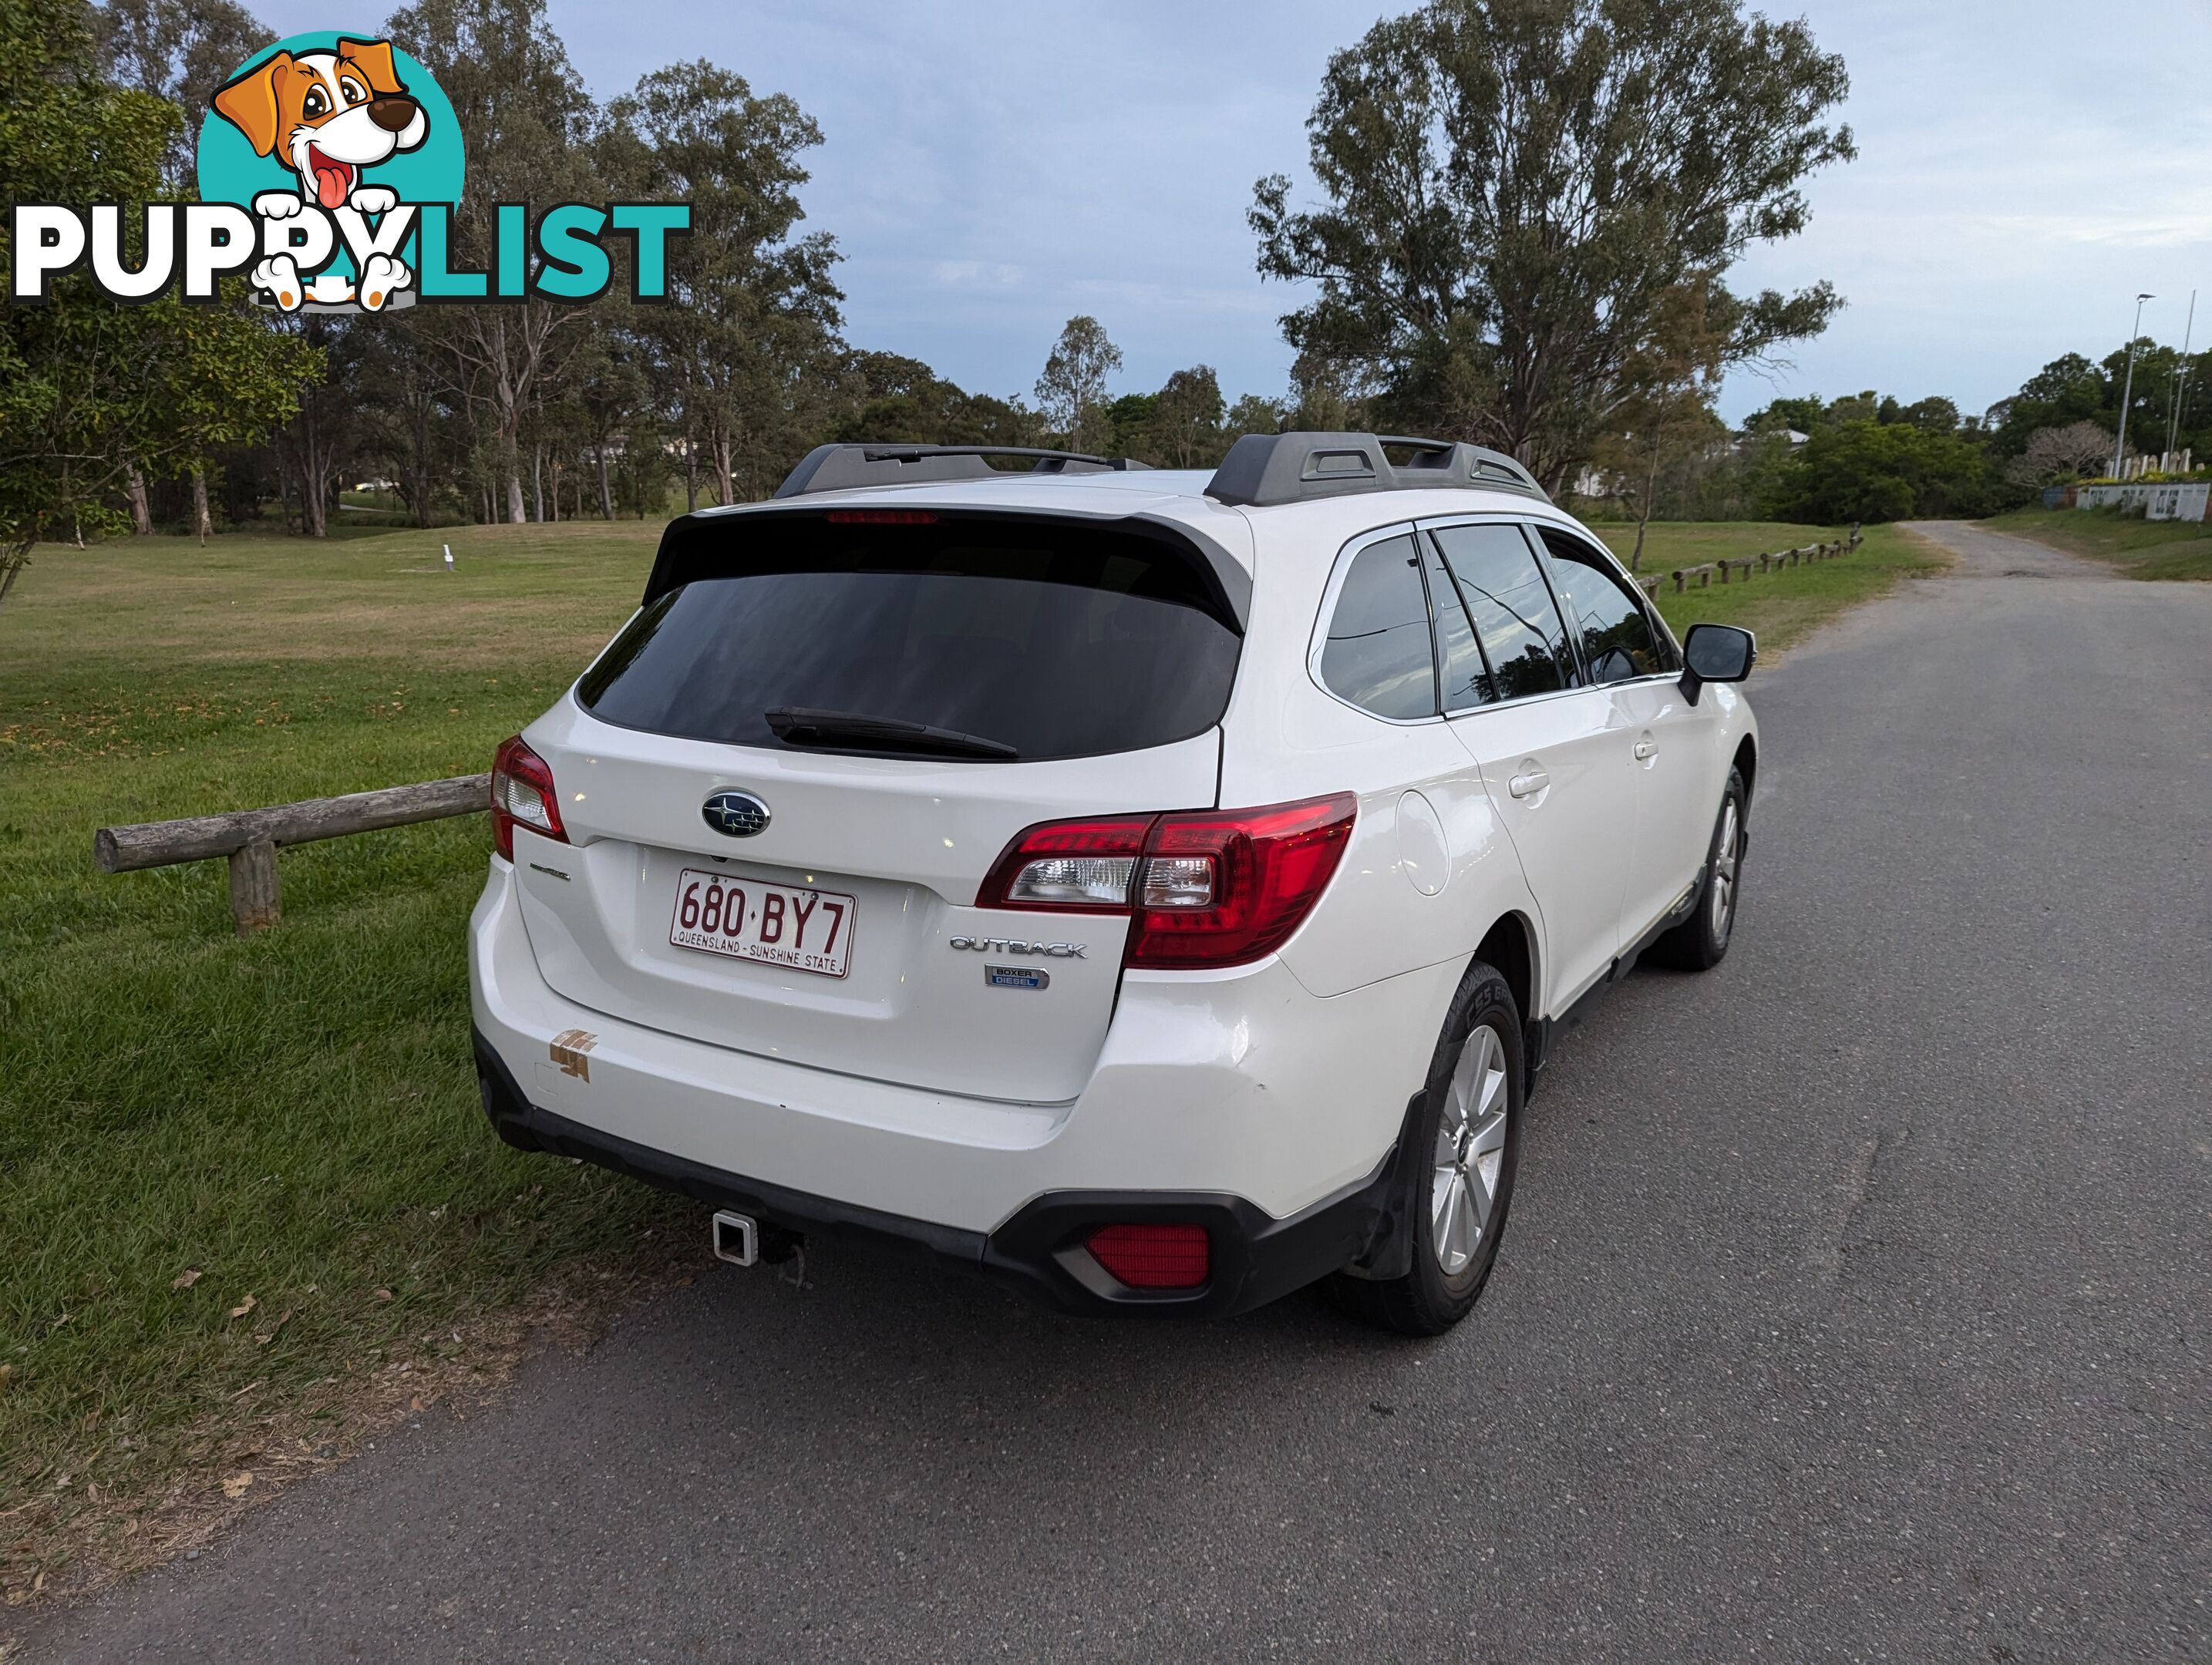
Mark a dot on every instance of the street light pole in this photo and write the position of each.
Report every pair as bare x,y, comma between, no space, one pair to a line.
2120,446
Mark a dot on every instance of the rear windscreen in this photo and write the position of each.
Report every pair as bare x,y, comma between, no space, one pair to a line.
1050,640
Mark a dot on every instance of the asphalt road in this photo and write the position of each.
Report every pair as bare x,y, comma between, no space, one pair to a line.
1855,1306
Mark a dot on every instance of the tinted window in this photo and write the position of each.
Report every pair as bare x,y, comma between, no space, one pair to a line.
1467,679
1056,643
1617,639
1378,652
1512,608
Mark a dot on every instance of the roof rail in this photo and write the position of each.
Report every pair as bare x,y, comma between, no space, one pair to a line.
1265,469
843,467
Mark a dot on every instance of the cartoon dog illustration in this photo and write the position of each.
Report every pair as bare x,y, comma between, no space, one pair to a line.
331,115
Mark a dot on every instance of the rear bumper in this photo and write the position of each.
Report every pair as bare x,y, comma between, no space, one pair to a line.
1240,1101
1038,1253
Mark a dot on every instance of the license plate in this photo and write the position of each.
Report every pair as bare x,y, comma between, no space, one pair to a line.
800,930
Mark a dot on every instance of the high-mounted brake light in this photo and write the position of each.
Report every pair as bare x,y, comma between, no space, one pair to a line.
882,517
523,795
1207,889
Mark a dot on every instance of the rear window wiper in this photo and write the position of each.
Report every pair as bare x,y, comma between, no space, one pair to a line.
797,726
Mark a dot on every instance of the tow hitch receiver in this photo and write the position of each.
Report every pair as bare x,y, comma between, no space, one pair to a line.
737,1238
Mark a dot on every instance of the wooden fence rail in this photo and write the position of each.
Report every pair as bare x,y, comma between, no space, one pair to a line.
1741,566
248,839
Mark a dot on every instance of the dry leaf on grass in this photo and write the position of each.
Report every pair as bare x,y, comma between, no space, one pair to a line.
186,1278
7,1374
235,1486
270,1334
380,1295
244,1307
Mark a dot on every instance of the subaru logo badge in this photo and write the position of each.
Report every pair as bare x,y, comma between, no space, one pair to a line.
736,814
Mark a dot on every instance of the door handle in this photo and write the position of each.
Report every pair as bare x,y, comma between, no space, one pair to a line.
1528,785
1646,751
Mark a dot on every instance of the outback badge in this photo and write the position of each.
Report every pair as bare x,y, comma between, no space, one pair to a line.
735,814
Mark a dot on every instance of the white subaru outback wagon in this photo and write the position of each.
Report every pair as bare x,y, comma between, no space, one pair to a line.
1154,889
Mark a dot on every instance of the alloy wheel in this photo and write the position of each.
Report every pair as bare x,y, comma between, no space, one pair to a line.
1470,1149
1726,859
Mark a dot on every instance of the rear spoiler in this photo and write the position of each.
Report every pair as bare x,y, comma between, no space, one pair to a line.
732,543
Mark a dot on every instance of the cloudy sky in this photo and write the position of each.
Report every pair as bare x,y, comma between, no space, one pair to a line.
991,168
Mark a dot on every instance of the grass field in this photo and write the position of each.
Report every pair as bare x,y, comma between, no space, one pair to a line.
2138,547
292,1117
1781,607
192,1125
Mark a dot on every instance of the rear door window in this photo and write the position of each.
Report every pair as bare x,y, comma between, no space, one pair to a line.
1523,636
1377,654
986,639
1617,638
1467,679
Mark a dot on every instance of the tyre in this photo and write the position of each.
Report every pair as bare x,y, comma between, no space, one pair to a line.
1699,942
1466,1146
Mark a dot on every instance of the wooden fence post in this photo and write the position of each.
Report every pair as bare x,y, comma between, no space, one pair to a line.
256,901
1679,585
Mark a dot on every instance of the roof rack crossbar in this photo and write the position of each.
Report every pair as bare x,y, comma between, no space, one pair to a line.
845,467
1267,468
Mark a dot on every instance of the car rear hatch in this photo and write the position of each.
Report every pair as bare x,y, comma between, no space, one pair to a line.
827,726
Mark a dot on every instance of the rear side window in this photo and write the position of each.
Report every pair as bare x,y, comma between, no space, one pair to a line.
982,640
1511,606
1617,641
1377,654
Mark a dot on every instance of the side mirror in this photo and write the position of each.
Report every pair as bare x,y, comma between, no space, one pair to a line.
1715,652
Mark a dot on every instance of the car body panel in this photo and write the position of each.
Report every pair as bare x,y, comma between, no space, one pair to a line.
908,839
1232,1082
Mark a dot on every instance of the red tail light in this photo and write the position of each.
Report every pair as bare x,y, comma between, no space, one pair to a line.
1154,1257
1268,867
1206,888
523,795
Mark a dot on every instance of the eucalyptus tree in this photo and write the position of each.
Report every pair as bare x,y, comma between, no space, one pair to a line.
529,128
749,335
1184,431
181,50
1514,186
1072,388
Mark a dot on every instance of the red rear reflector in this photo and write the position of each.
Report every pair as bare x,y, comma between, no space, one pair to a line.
882,517
1154,1257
